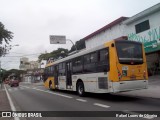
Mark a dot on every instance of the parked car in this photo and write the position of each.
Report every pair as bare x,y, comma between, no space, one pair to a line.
14,82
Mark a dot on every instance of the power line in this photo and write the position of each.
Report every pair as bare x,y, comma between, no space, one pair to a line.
34,54
24,55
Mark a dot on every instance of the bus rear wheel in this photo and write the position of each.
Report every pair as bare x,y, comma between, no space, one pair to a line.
80,89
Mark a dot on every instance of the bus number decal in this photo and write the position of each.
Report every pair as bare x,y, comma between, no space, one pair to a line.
124,70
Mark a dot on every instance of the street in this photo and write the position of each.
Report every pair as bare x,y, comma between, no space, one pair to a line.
34,97
80,60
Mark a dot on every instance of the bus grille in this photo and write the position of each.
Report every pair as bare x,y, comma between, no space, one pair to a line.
103,83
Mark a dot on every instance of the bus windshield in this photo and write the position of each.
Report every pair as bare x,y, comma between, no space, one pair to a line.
129,52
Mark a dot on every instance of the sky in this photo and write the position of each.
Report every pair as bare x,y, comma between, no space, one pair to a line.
33,21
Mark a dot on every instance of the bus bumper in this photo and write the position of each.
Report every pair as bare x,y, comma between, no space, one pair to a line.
129,85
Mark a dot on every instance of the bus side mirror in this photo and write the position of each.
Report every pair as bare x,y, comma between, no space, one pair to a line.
112,45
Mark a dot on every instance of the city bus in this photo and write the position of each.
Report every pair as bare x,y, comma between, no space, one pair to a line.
115,66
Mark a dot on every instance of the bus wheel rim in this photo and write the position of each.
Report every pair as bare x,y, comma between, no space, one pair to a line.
80,89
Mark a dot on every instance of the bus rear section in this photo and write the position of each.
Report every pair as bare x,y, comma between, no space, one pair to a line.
130,69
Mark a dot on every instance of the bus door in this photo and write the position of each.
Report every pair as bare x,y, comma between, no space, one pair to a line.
56,75
68,74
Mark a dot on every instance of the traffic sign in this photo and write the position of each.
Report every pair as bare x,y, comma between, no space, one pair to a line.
57,39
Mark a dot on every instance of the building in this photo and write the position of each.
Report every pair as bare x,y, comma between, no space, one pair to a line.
31,67
114,30
34,75
24,63
143,27
33,64
42,64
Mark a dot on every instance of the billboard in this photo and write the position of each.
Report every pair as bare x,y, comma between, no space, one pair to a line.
57,39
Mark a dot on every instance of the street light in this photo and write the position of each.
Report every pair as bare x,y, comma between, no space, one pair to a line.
73,44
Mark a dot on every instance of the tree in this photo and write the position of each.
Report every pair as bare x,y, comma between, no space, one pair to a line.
60,52
79,44
5,36
6,73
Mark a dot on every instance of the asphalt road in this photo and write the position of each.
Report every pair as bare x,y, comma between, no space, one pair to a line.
32,97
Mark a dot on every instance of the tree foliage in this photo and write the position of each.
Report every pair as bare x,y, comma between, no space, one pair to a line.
79,44
60,52
5,36
6,73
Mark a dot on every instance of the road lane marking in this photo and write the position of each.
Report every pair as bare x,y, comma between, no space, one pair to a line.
134,113
81,100
15,89
21,88
101,105
59,94
24,86
66,96
11,103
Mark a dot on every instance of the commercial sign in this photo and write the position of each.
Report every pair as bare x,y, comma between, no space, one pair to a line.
150,39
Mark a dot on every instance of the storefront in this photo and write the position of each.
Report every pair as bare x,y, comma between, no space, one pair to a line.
153,63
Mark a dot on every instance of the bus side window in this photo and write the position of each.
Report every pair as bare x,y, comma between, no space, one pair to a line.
48,71
77,65
52,70
93,57
64,71
87,59
45,75
90,62
103,60
61,69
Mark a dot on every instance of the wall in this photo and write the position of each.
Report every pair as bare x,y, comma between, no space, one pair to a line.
109,34
151,37
33,64
23,63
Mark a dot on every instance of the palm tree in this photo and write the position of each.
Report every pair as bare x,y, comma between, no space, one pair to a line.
5,36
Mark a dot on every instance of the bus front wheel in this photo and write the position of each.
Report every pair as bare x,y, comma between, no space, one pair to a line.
80,89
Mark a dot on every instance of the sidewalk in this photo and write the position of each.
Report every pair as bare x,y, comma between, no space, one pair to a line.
152,91
4,103
154,77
